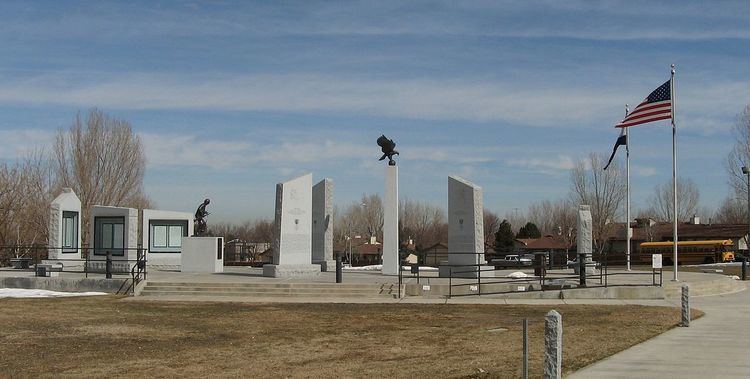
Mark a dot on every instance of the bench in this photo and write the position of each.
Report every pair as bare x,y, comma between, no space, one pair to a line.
48,270
21,263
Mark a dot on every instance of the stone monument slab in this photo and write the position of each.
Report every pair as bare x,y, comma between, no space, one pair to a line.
322,225
584,238
292,245
466,229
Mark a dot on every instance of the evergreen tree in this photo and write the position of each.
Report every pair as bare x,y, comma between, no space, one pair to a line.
529,230
504,238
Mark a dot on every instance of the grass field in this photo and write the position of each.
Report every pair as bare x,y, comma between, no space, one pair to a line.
104,336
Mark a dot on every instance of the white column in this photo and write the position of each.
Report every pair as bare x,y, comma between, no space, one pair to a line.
390,222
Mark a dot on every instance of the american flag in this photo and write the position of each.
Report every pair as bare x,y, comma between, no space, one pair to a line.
657,106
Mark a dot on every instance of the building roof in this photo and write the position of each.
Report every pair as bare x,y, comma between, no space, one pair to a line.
548,242
662,231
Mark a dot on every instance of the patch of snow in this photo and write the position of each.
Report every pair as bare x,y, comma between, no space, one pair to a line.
518,275
32,293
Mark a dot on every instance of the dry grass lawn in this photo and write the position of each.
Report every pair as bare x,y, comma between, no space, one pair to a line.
106,337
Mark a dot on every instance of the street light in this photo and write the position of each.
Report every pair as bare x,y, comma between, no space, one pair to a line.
746,171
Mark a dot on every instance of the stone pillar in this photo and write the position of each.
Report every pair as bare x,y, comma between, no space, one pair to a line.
465,228
292,246
322,225
685,306
553,345
390,222
585,237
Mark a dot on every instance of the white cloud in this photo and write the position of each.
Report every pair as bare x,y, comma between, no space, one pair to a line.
16,143
644,170
420,99
550,165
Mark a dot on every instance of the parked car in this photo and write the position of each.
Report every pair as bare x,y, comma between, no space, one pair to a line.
511,261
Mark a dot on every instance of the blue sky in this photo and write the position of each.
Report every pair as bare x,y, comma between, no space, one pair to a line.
232,97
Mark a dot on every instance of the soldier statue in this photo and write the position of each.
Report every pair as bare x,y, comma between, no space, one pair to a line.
200,219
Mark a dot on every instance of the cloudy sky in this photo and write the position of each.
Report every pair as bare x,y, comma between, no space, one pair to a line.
232,97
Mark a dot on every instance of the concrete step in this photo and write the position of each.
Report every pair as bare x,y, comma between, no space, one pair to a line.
259,294
270,290
275,285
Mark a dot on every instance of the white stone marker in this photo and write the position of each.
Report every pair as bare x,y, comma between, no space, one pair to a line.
465,228
553,345
584,238
390,222
685,306
322,225
202,254
292,246
65,227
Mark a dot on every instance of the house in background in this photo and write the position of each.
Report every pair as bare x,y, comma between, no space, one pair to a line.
560,248
433,255
648,230
360,251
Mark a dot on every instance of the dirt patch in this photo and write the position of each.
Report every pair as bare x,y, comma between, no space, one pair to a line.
106,337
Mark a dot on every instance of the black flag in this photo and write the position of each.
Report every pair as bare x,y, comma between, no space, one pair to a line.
621,140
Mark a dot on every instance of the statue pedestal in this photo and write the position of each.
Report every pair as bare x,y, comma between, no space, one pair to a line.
202,254
291,270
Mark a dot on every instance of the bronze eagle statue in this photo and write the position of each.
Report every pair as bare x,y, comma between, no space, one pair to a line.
388,147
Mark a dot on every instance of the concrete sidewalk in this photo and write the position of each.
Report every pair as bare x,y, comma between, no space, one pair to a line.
714,346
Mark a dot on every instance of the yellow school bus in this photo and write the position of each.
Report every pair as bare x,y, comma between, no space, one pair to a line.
690,252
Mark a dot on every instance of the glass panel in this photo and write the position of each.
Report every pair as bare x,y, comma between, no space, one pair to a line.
106,240
175,236
160,236
68,231
119,236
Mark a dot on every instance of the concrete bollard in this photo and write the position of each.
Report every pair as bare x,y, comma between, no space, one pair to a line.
339,268
108,266
744,268
553,345
685,306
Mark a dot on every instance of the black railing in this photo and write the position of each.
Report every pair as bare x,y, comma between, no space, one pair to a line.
90,264
475,277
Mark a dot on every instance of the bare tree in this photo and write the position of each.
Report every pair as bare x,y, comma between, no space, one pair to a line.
491,224
740,154
359,218
102,160
553,217
732,211
25,193
603,191
660,204
420,221
517,218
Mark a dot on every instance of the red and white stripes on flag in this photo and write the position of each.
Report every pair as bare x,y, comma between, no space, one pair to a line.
657,106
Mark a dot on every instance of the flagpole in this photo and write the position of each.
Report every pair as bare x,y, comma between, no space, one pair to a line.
673,95
627,190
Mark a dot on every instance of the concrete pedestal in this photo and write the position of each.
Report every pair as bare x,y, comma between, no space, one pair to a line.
390,222
327,265
202,254
292,270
